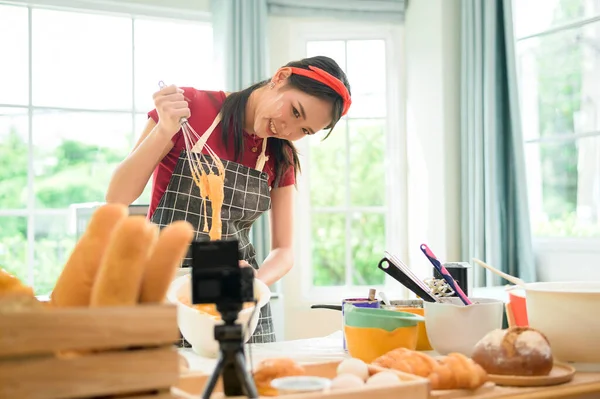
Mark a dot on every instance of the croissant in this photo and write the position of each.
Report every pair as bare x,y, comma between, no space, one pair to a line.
407,361
454,371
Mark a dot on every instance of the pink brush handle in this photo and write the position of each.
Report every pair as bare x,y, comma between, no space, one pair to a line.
447,276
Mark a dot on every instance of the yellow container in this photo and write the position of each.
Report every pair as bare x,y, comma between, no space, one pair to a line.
422,340
368,343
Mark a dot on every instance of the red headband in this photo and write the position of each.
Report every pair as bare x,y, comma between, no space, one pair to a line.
327,79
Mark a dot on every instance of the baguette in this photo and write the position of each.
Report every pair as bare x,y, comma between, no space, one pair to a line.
171,247
74,285
119,279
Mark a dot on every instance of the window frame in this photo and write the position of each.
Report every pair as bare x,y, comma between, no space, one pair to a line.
395,207
145,8
127,9
561,244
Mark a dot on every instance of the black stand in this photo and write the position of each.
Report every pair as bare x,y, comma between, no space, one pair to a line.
232,362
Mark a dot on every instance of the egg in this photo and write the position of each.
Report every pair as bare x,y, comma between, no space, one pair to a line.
354,366
346,381
383,378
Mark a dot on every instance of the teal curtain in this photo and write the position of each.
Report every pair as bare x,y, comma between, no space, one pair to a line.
495,214
240,40
365,10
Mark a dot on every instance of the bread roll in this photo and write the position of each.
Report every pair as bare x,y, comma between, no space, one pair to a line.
519,351
270,369
119,278
74,285
173,243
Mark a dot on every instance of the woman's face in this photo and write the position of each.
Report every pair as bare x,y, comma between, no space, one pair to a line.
288,113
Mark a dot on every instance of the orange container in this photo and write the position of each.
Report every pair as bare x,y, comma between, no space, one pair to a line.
422,339
518,305
367,344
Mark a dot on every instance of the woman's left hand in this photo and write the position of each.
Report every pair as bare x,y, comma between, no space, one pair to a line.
243,263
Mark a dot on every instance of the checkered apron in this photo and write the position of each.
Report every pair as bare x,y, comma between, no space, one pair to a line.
247,197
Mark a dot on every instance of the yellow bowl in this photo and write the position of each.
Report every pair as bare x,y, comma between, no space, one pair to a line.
367,343
422,340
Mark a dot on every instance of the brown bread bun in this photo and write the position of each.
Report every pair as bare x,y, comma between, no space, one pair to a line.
520,351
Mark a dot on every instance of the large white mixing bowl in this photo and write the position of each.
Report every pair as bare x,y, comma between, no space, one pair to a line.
198,327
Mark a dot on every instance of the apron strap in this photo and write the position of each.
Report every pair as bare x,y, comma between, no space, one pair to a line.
204,137
262,158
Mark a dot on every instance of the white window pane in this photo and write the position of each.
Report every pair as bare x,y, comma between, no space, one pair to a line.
368,245
334,49
54,241
559,82
328,249
81,60
327,176
534,16
564,187
367,162
14,67
179,53
14,151
368,105
366,66
13,246
76,154
139,125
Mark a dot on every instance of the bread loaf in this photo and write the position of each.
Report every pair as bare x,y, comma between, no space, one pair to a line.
519,351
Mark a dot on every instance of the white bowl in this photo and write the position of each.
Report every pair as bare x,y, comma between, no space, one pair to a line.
198,327
454,327
566,313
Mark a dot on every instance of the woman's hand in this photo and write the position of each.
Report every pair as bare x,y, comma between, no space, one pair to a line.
171,106
243,263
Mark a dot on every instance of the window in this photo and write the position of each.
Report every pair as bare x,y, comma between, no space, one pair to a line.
348,179
558,59
76,87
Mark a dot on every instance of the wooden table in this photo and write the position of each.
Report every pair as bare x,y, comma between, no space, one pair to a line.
317,350
583,386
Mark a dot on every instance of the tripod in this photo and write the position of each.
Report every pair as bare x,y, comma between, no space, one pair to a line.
232,362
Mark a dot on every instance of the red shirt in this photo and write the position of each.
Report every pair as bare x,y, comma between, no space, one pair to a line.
204,107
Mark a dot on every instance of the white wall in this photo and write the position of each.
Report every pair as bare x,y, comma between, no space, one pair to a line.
300,320
433,130
432,53
567,259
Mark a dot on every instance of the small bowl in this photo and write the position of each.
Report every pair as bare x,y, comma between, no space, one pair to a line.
454,327
198,327
371,333
386,319
300,384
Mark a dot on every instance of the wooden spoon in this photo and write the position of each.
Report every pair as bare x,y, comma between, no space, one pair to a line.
512,279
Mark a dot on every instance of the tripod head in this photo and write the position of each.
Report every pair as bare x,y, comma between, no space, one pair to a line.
229,313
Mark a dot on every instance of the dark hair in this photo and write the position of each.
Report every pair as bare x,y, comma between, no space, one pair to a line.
283,151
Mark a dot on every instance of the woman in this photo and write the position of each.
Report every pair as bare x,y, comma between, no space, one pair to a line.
252,132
